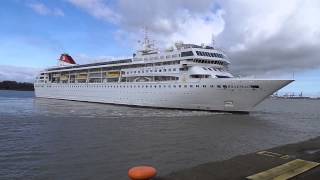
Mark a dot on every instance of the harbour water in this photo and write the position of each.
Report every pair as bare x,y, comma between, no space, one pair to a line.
57,139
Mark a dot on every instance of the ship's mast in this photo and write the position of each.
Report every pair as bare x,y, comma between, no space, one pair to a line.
148,46
213,41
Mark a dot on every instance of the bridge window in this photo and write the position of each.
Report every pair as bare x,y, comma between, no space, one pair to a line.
219,76
199,76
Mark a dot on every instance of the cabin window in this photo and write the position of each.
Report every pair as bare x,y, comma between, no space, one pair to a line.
184,69
187,53
254,86
199,76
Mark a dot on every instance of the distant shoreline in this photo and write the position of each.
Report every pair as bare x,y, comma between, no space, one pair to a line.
17,86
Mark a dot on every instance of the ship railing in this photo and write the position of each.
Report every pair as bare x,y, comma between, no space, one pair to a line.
111,58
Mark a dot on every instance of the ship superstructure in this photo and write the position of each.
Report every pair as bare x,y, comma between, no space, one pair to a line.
187,76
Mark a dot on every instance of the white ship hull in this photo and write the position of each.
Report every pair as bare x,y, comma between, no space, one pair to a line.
231,94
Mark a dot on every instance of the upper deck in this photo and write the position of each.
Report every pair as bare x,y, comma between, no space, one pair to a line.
182,62
198,54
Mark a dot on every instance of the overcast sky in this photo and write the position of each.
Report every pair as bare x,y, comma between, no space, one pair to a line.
262,38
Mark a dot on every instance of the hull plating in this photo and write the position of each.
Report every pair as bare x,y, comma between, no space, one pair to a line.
209,94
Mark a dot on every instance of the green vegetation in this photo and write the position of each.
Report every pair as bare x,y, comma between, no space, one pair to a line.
13,85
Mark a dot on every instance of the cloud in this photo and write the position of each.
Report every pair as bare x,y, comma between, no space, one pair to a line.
271,37
19,74
261,37
43,10
168,21
97,8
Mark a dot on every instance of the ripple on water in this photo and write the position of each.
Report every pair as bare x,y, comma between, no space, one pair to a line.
56,139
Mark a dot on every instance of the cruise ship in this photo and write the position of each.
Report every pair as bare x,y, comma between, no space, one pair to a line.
185,76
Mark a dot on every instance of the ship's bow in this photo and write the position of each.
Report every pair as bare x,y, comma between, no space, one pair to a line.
258,90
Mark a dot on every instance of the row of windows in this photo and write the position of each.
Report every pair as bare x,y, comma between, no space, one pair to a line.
159,86
208,61
160,57
208,54
147,71
120,67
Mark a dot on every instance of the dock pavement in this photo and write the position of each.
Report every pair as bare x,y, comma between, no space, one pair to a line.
279,162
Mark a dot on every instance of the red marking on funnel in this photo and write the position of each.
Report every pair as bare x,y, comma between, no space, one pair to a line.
67,58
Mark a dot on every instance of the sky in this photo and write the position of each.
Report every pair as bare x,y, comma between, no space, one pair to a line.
263,38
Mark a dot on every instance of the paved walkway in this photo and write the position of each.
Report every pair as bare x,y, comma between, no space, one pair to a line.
243,166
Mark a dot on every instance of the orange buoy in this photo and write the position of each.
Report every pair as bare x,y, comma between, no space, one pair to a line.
142,173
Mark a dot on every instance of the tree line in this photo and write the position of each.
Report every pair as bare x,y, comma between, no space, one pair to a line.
13,85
